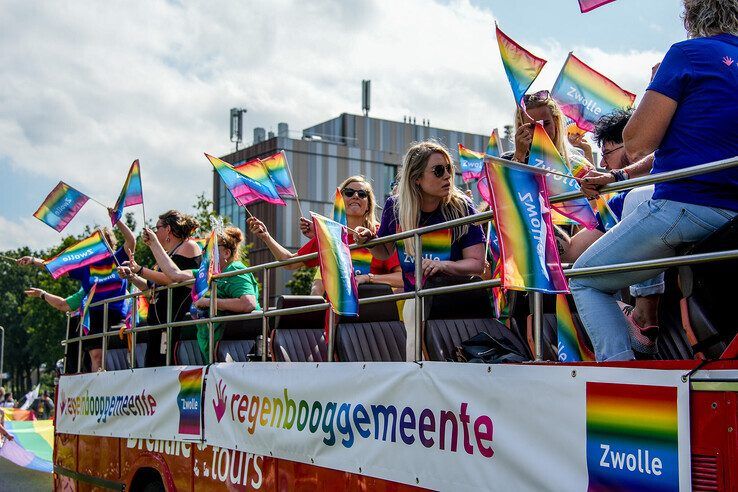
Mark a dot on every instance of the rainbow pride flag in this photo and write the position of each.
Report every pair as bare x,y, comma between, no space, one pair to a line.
471,164
521,66
201,241
83,253
499,299
572,347
278,168
493,146
189,400
131,194
245,189
85,315
60,206
587,5
141,310
336,268
639,426
33,446
17,414
607,216
339,208
585,95
530,260
209,266
255,170
543,155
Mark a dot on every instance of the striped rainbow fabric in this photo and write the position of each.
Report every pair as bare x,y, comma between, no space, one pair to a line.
361,259
493,145
245,189
471,164
336,268
209,266
607,216
256,170
85,316
572,347
83,253
521,66
339,208
530,259
587,5
33,445
131,194
279,171
543,154
17,414
60,206
585,95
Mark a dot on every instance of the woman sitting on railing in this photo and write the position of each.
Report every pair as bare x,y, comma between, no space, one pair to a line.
236,294
426,195
174,231
688,117
360,204
109,285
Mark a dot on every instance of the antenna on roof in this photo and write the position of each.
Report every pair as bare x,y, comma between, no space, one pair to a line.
366,90
237,125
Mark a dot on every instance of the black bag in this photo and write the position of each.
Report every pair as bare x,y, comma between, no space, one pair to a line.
484,349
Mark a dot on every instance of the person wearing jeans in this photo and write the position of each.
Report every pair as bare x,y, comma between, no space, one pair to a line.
687,116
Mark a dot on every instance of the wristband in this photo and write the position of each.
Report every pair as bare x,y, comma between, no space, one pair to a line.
140,270
43,295
619,174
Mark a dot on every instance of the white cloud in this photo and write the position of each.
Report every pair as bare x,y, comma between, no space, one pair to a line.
25,232
95,85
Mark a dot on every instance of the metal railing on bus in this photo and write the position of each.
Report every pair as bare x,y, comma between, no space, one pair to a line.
418,295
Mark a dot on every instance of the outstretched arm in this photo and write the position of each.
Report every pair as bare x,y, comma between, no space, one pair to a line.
258,228
52,300
168,267
129,240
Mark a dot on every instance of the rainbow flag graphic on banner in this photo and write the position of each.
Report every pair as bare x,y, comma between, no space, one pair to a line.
209,266
33,445
83,253
543,154
587,5
245,189
585,95
278,169
336,269
339,208
530,259
521,66
189,401
471,164
60,206
85,315
632,437
493,145
572,347
131,194
607,216
255,170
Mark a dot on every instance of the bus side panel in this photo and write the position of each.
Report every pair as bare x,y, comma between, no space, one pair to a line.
65,455
217,469
98,457
714,440
171,459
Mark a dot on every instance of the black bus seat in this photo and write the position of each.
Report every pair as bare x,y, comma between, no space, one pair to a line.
118,359
299,337
187,353
238,350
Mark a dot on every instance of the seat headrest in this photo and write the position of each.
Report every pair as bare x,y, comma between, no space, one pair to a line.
314,319
470,304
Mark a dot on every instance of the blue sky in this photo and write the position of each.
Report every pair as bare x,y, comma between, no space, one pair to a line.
88,87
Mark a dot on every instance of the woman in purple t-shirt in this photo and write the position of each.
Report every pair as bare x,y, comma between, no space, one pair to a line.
687,116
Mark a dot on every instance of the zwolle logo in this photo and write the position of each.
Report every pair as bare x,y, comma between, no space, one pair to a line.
632,437
189,401
219,404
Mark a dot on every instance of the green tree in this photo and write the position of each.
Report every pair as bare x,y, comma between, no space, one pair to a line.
301,282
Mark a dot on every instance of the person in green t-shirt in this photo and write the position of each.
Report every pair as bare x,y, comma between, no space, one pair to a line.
236,294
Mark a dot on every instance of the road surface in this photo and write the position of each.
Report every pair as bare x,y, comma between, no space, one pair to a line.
14,477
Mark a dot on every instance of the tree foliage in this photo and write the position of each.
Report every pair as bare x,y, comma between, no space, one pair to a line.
301,282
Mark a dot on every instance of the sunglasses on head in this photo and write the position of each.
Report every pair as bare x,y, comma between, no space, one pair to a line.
440,170
540,96
349,192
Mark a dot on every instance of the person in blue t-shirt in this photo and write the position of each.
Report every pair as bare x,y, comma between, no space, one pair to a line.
687,116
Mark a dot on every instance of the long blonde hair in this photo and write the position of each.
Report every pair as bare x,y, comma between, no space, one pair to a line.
559,139
410,197
370,217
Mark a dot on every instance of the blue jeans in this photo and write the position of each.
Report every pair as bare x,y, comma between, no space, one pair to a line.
653,230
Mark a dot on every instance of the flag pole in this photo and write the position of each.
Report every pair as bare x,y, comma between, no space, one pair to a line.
8,258
247,211
292,180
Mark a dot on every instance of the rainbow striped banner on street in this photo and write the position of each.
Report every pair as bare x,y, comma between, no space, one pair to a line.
471,164
336,268
521,66
209,266
245,189
587,5
83,253
33,444
543,155
131,194
572,347
60,206
586,95
339,208
530,259
632,437
279,171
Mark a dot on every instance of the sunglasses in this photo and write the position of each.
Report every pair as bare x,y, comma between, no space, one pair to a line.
606,153
440,170
540,96
349,192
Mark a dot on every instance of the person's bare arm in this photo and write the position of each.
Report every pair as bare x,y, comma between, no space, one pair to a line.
279,252
647,127
167,265
52,300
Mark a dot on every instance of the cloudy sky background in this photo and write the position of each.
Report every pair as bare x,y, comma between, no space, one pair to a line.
86,87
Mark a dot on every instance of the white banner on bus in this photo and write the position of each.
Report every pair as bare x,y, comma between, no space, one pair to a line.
460,426
153,403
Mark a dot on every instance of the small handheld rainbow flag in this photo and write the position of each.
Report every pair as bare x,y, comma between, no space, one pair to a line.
84,318
521,66
585,95
484,190
209,266
543,155
60,206
83,253
587,5
493,146
339,208
471,164
201,241
336,269
607,216
530,259
493,252
278,168
572,347
267,191
245,189
131,194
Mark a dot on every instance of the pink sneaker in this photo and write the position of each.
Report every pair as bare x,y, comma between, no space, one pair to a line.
642,338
